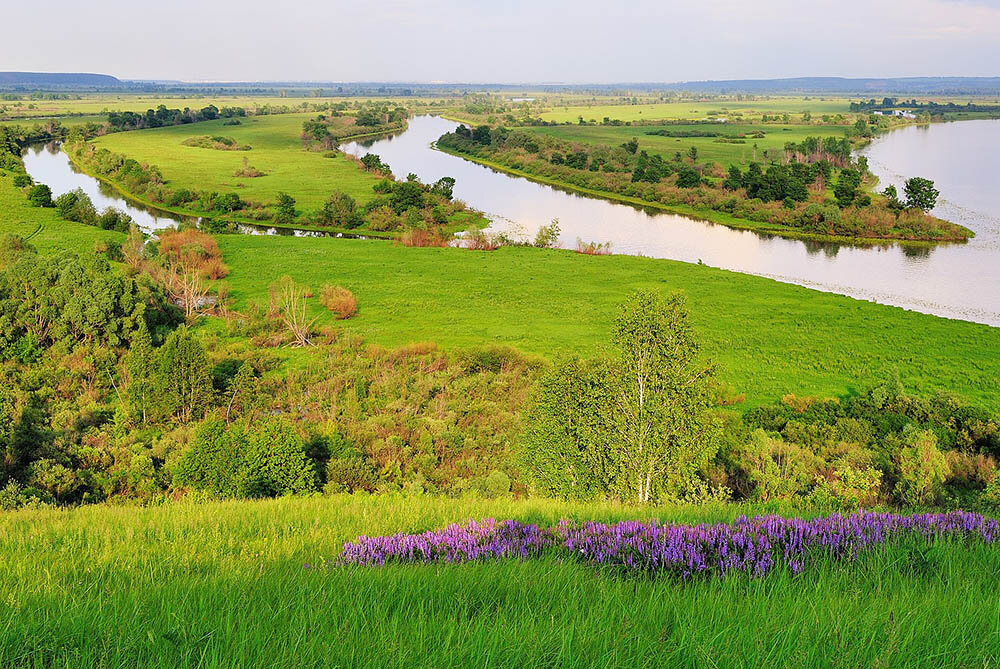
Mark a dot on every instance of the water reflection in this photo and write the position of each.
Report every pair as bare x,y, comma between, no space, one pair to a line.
933,279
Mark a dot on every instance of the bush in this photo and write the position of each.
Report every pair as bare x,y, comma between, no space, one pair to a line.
22,180
263,460
40,195
922,469
338,300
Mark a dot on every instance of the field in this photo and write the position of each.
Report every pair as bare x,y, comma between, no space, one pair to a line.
238,584
655,111
43,227
775,138
770,338
276,150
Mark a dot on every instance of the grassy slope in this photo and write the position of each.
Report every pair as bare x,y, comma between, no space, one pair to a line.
708,149
242,584
43,227
770,338
696,110
276,151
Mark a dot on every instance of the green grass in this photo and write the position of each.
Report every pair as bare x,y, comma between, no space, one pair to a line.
276,150
697,110
43,227
227,585
770,338
709,150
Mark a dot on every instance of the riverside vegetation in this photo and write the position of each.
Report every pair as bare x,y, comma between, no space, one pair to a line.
811,187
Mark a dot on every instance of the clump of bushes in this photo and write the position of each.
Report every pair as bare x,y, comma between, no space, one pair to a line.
340,301
216,142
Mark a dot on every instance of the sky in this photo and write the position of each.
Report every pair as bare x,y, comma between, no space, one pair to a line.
497,41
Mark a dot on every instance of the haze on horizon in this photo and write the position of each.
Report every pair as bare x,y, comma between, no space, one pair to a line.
585,41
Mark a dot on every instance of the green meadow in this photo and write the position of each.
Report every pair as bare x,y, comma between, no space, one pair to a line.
240,584
276,150
43,227
769,338
709,148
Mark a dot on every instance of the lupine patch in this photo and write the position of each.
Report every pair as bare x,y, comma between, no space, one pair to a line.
754,546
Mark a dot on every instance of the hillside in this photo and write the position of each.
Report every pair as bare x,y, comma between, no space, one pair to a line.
58,79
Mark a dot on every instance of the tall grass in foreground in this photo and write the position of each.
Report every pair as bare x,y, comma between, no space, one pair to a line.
244,584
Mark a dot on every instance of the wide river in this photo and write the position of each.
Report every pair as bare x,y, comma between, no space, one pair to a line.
952,280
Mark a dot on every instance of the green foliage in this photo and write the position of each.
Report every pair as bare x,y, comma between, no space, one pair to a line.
635,427
69,299
920,193
40,195
922,469
264,459
183,379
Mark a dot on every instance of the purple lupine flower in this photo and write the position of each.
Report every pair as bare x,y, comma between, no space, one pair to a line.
754,546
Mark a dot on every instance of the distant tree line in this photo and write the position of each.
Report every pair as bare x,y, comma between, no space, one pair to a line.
161,116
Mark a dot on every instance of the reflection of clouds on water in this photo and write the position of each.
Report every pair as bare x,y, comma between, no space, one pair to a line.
933,279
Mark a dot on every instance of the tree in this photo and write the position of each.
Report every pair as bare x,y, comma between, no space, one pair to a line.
445,187
923,468
183,377
847,187
288,301
662,433
40,195
631,146
693,153
920,193
284,208
140,363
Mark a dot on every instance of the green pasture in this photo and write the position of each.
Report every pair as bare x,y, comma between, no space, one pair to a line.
709,149
276,150
769,338
252,584
43,227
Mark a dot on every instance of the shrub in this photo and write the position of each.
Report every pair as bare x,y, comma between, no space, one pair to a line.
40,195
22,180
922,468
262,460
338,300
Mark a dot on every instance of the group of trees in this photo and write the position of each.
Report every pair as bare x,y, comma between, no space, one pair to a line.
328,129
792,188
161,116
636,426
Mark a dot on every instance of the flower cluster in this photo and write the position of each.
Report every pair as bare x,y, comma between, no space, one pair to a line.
455,543
751,545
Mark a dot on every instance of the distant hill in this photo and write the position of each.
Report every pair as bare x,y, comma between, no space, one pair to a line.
58,80
912,85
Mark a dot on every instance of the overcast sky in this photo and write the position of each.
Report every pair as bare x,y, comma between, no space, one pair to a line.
579,41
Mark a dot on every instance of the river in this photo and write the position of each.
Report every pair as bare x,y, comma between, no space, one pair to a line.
951,280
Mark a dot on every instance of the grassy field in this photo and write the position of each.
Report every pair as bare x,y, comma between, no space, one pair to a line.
775,138
770,338
43,227
240,584
276,150
655,111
